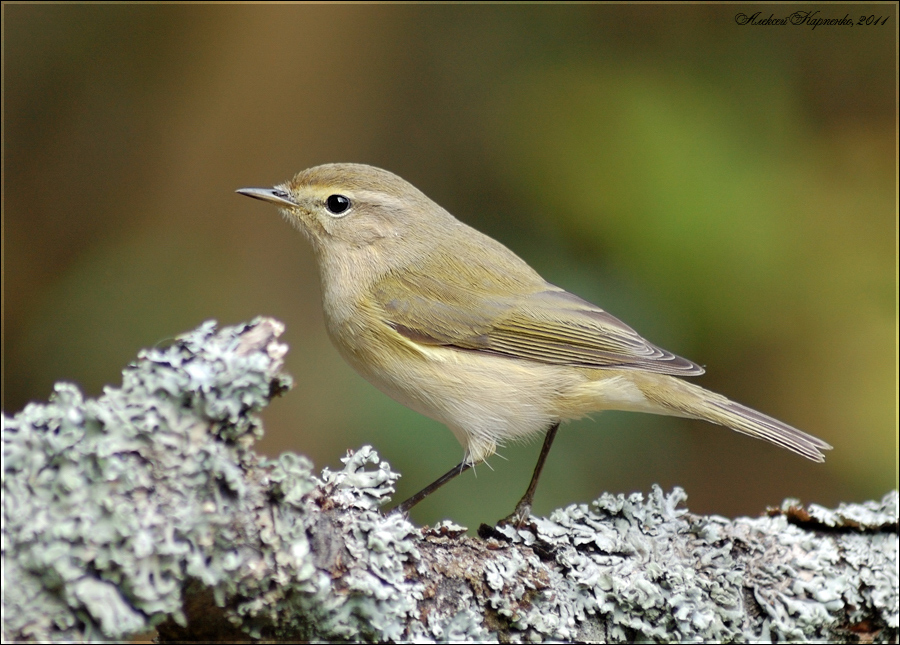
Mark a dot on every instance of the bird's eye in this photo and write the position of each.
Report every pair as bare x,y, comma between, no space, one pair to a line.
337,204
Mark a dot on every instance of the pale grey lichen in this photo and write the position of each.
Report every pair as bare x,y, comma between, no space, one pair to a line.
654,572
120,513
148,508
110,504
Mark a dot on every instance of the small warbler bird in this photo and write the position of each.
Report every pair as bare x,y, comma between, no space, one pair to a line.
454,325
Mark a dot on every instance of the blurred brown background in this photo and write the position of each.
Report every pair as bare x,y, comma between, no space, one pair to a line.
727,190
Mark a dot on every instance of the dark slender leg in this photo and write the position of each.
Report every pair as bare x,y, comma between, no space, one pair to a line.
523,508
428,490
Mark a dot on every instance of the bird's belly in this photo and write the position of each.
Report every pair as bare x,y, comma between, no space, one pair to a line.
484,399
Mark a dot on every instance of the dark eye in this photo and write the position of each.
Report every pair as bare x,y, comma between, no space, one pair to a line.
337,204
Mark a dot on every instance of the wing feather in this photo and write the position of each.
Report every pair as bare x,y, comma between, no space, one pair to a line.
540,322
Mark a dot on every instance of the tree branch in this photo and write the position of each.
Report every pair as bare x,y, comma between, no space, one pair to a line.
147,508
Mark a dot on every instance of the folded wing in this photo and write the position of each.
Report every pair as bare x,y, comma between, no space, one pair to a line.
539,322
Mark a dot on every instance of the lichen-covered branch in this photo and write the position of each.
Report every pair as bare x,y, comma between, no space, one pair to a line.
147,508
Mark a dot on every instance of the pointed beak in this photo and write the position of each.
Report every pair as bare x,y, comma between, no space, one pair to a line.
273,195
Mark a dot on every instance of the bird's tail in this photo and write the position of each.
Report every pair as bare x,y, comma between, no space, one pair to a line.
683,399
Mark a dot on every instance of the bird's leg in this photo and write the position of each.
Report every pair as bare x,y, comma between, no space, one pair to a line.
403,508
523,508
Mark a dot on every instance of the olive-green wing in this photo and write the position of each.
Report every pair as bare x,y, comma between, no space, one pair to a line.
537,322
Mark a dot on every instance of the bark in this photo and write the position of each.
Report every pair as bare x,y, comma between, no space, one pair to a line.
148,509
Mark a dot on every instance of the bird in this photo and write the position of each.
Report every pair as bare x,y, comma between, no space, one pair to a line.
454,325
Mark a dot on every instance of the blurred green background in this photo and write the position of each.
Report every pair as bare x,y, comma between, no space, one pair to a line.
729,191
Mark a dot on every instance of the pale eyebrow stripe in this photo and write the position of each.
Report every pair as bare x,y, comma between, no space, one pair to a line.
381,198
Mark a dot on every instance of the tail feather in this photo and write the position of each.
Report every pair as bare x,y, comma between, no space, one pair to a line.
685,399
748,421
